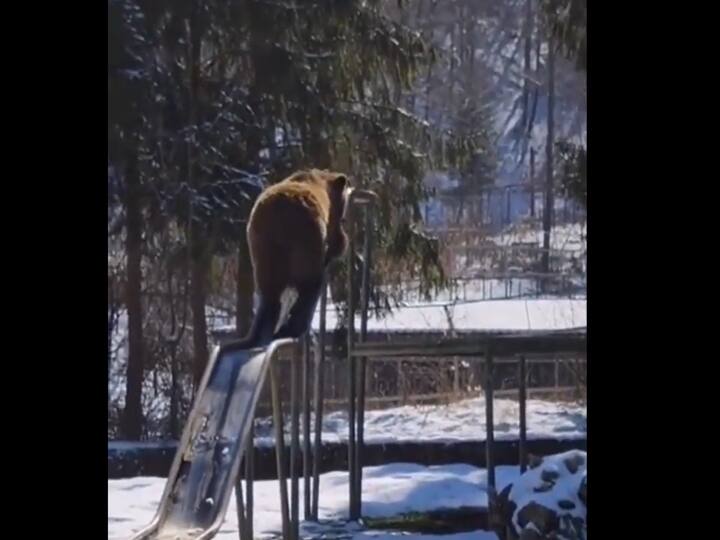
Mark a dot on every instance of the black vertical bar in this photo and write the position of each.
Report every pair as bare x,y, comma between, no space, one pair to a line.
489,206
507,203
532,182
456,378
249,479
319,397
489,428
294,444
365,304
352,373
280,450
306,425
549,204
523,414
240,508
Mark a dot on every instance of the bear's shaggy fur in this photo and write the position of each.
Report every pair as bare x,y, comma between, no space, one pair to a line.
294,232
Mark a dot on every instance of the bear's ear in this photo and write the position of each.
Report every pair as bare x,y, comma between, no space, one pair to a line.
340,182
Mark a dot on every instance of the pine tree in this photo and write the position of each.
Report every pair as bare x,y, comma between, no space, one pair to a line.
235,94
568,23
126,95
568,20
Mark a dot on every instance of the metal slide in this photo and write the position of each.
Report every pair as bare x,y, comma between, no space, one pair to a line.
207,461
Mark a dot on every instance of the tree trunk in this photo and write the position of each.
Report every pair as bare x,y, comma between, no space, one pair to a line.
173,340
532,182
198,298
112,310
174,393
245,289
132,423
527,30
111,327
549,199
199,264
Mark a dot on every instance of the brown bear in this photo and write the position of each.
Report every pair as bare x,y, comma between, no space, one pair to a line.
294,231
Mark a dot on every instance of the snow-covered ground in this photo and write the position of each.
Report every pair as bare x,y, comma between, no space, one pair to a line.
566,237
460,421
388,490
489,315
455,422
491,290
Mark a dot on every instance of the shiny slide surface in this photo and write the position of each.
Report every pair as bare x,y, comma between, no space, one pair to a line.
202,476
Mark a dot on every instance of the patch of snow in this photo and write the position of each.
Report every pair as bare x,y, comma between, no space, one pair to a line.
489,315
388,490
456,422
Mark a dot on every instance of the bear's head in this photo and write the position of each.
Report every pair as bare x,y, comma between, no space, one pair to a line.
338,190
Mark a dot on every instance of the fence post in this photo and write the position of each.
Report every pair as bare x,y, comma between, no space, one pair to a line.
280,449
306,424
365,305
522,398
319,397
532,182
489,432
294,444
352,371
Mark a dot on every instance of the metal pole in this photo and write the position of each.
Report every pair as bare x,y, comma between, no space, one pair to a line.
306,425
532,182
294,445
319,397
280,451
489,207
456,378
365,305
507,203
549,211
351,365
240,508
489,429
523,417
249,480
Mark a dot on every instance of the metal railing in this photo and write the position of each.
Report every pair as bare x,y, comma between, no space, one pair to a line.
487,349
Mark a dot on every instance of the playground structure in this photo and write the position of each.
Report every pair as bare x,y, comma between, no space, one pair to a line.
219,430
